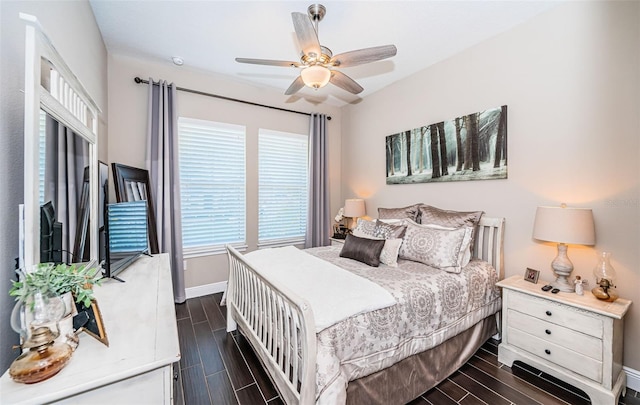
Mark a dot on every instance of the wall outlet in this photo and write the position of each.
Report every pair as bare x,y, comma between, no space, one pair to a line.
184,264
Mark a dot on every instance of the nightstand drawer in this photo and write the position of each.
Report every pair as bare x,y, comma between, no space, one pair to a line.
562,336
566,358
549,311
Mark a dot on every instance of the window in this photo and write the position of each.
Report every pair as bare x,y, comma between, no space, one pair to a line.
282,188
212,186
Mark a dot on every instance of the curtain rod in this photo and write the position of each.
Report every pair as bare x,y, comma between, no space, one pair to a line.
202,93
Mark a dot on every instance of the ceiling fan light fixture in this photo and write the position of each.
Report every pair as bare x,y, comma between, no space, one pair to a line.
315,76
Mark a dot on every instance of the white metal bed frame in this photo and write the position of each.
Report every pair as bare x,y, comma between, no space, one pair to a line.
280,325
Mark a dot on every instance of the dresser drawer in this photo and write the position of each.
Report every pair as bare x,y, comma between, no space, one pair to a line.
562,336
559,314
562,356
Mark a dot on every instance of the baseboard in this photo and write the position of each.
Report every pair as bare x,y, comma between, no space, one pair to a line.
633,378
207,289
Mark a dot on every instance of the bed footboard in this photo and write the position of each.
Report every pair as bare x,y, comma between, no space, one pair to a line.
279,326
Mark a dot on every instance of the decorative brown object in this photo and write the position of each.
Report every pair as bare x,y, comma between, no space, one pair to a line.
605,291
44,358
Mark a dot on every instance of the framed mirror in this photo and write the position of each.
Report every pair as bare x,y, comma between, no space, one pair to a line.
60,161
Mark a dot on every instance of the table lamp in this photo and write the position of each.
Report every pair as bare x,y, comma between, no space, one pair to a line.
565,226
354,209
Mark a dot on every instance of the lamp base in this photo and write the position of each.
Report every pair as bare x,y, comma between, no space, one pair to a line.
562,267
562,283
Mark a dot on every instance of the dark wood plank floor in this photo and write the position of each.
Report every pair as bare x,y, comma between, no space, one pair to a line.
220,368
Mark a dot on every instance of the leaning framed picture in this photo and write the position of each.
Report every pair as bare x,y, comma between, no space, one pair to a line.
90,320
531,275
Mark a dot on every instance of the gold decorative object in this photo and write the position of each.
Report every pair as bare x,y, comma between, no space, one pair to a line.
44,358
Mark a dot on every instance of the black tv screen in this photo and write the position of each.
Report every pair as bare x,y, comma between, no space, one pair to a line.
50,235
126,234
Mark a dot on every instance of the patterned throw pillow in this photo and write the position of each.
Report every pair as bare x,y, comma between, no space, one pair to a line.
445,249
411,212
379,230
365,229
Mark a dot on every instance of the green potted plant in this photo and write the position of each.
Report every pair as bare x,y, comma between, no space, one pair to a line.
60,279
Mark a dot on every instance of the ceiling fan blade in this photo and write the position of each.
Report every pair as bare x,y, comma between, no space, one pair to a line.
362,56
306,34
345,82
295,86
268,62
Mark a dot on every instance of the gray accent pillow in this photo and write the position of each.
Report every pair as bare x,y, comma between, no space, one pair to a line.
392,234
390,231
451,219
411,212
445,249
363,250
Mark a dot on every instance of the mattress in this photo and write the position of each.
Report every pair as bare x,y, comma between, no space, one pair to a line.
432,306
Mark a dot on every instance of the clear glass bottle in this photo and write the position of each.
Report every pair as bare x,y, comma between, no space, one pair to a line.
605,278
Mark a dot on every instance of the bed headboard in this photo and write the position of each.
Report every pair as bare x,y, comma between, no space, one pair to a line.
488,242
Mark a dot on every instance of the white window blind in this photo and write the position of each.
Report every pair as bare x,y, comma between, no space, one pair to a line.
283,184
42,139
212,186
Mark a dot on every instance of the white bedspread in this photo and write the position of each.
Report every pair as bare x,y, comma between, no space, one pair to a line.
334,294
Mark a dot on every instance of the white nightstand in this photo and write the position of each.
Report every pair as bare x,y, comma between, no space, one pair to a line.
578,339
337,242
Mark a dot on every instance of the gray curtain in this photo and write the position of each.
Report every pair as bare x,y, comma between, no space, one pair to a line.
318,217
65,161
162,163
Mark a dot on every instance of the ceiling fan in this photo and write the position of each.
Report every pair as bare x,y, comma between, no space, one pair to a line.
317,62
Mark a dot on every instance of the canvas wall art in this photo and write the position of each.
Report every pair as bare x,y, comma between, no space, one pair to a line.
472,147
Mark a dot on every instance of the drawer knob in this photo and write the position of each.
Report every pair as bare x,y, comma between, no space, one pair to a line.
547,351
548,313
547,331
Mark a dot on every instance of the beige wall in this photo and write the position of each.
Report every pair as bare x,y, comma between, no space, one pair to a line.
570,78
72,28
127,132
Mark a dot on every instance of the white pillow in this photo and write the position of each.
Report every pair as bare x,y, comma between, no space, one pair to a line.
445,249
389,254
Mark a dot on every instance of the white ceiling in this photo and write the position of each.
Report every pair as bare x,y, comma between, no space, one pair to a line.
208,35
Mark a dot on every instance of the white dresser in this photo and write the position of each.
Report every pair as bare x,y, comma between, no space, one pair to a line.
140,323
578,339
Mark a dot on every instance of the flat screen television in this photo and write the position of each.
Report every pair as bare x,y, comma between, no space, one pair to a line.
50,235
126,235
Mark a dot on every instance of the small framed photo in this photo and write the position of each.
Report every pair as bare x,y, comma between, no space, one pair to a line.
531,275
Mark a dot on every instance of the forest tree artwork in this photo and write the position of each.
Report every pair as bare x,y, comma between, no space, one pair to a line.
473,147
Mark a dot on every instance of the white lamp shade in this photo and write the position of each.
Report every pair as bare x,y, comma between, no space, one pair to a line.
316,76
354,208
564,225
